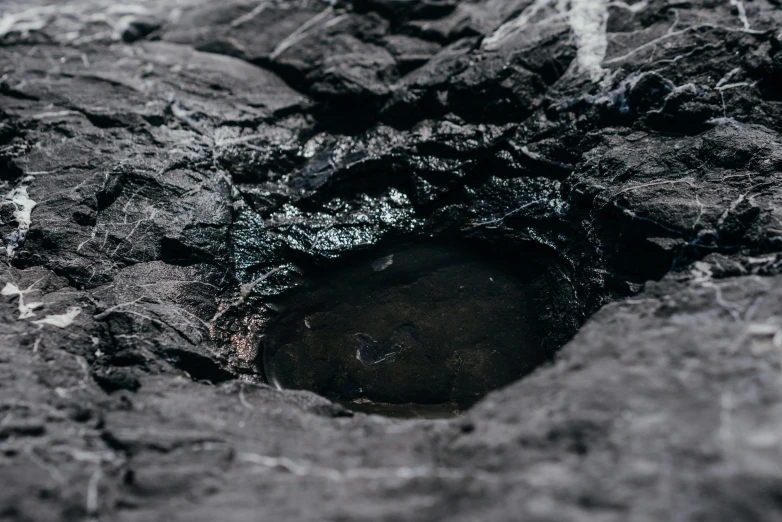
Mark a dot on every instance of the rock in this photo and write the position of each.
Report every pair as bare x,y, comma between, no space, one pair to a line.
432,325
115,379
171,173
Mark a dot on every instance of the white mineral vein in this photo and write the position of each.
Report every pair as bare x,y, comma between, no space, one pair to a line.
25,309
61,320
587,20
23,207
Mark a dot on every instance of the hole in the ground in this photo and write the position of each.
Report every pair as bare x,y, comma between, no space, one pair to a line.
422,330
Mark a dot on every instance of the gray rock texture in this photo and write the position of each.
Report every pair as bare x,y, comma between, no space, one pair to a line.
169,169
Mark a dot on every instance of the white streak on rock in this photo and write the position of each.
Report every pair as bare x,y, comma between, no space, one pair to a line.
33,19
511,27
24,206
634,8
739,5
25,309
61,320
384,262
588,20
244,293
261,7
92,493
56,114
301,32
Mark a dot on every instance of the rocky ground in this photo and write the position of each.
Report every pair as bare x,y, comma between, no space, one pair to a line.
169,168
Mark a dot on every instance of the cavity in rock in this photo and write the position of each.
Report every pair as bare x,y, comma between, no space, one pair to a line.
425,331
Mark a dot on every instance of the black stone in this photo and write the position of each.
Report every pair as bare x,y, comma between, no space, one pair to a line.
426,324
202,170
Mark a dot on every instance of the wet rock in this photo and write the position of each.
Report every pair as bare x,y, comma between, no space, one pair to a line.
427,324
243,29
179,179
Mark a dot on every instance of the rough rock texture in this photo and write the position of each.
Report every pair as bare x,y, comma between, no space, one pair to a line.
159,160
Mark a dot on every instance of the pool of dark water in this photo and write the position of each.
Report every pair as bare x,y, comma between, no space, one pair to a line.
423,330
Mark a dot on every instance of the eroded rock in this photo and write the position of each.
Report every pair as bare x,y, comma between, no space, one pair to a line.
191,163
426,325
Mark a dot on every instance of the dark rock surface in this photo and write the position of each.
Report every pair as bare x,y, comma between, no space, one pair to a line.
170,169
427,324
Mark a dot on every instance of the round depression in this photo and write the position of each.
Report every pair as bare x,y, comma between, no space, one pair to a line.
424,330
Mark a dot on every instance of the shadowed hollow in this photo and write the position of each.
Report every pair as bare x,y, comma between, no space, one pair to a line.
424,331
